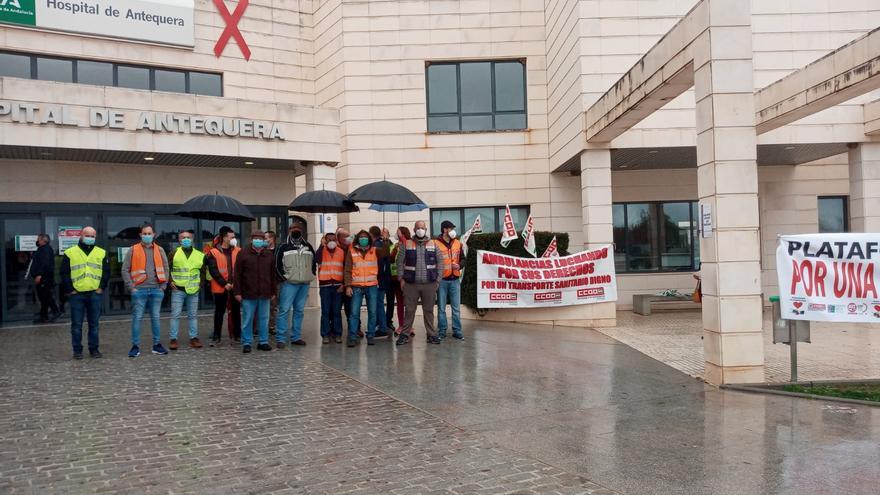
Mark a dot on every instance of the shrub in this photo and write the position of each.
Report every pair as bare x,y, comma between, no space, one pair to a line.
492,242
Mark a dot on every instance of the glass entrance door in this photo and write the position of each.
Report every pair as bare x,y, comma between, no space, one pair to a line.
18,293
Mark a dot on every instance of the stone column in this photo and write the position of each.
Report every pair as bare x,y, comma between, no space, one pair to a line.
596,197
319,176
727,183
864,187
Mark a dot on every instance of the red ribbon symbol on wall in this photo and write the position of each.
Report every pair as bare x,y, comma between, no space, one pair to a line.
231,30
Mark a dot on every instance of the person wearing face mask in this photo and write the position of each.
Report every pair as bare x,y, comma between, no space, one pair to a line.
417,262
361,282
254,287
145,274
403,235
384,287
344,238
42,272
331,265
85,273
186,279
295,266
221,266
450,283
271,239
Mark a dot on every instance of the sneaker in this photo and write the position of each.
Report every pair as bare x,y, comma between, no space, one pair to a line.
434,340
77,355
195,343
159,349
325,340
338,339
458,336
370,341
134,352
214,341
96,354
172,345
264,347
441,336
299,342
402,339
279,345
245,349
352,343
381,334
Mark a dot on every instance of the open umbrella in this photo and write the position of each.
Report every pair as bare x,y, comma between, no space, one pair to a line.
215,207
397,209
384,193
323,202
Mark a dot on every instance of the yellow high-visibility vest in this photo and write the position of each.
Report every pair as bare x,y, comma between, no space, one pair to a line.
186,272
86,270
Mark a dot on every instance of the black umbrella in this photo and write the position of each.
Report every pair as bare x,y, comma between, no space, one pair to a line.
215,207
384,193
323,202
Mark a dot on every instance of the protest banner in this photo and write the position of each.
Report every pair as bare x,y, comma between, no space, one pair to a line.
552,249
528,235
509,229
510,282
829,277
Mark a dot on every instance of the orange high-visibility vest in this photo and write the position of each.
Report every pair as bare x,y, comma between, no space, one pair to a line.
450,255
331,266
139,264
364,267
222,267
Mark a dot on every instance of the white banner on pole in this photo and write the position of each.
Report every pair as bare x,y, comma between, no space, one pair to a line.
829,277
509,229
552,249
528,235
510,282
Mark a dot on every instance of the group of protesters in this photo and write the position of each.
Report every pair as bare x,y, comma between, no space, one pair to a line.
265,285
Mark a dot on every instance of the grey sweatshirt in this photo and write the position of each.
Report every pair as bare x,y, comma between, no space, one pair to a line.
152,281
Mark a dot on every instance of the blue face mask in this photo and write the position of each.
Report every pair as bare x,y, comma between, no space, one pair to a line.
147,238
186,243
89,241
259,243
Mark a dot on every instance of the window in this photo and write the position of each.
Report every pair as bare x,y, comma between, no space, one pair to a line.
833,214
492,217
476,96
109,74
652,237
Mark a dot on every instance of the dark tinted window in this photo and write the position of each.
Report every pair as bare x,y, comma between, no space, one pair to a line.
14,65
833,214
98,73
201,83
170,80
133,77
54,69
656,236
476,96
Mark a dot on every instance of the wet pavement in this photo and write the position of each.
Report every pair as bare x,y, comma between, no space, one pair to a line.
512,409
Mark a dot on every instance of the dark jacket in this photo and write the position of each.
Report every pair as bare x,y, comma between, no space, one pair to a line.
67,284
43,264
384,247
255,274
212,265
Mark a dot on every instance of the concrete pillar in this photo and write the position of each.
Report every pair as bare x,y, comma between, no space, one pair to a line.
864,187
727,183
596,197
319,176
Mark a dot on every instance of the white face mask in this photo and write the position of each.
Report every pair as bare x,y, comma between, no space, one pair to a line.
233,242
349,239
421,232
331,245
452,234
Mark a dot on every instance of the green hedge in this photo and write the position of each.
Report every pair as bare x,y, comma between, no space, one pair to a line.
492,242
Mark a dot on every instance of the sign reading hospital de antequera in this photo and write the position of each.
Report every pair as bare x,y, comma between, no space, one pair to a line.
510,282
829,277
168,22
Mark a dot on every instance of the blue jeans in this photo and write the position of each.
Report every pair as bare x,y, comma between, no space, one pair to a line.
449,291
178,299
140,299
82,306
331,310
292,296
357,298
251,309
381,323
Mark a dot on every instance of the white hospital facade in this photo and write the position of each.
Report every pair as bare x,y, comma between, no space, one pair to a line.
611,120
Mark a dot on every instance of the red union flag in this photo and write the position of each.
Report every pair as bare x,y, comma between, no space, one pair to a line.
231,30
552,250
475,228
528,235
509,227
